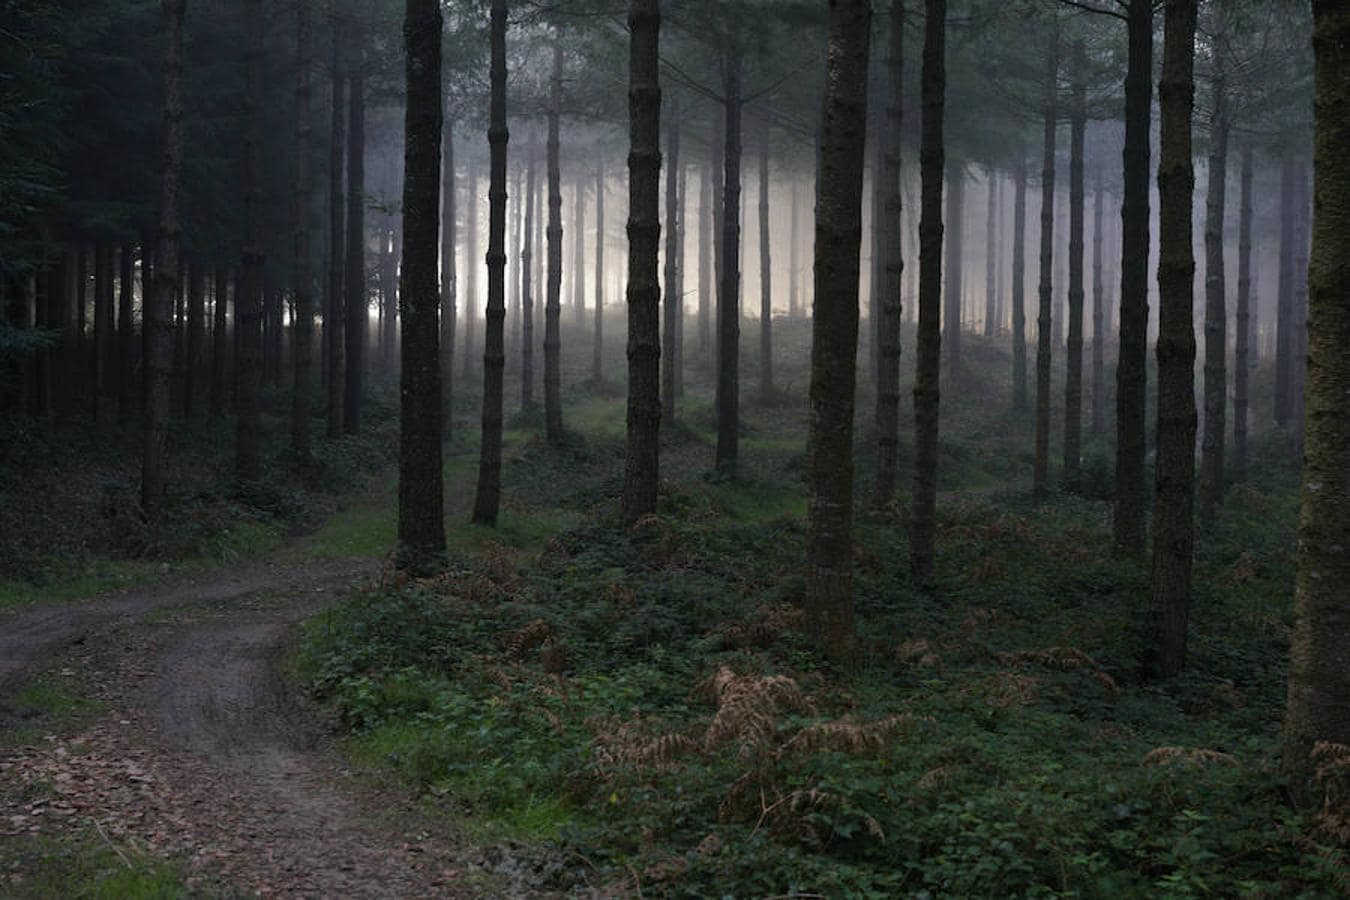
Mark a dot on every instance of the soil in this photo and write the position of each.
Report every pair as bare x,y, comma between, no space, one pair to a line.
208,756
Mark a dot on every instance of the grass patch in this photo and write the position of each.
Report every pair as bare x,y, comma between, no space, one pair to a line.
83,866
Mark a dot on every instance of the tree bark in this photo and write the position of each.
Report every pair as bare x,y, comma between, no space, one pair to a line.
834,331
729,282
471,263
892,268
1073,379
449,275
1173,526
794,250
952,289
1019,277
358,313
765,275
1131,368
1242,361
642,456
1319,671
928,350
705,270
553,419
579,251
196,308
248,456
220,343
105,386
527,293
126,342
335,311
598,345
1098,311
671,305
1044,336
157,335
990,257
488,498
421,525
1216,300
304,268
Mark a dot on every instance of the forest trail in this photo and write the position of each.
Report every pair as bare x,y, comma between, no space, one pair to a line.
205,753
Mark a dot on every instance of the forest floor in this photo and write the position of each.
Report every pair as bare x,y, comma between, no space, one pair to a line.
573,707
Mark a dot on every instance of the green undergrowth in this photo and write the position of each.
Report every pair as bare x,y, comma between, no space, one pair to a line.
70,510
644,697
44,706
83,865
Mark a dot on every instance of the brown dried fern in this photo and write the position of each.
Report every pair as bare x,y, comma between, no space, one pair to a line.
1196,756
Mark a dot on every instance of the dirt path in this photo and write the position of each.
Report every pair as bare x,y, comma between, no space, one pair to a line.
206,754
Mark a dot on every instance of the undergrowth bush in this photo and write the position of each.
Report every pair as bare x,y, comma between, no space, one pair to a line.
644,698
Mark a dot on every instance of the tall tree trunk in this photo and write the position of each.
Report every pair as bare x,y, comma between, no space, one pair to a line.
1284,312
1098,311
220,343
105,387
1131,368
421,525
834,332
728,294
794,250
513,255
196,309
1242,361
705,271
892,268
358,311
718,198
990,254
390,251
765,275
471,262
1044,345
952,289
248,457
579,251
553,419
680,206
1216,301
642,453
449,275
304,276
598,345
335,310
157,335
1019,279
1173,525
527,294
671,306
1319,670
928,349
1299,314
126,343
488,498
1073,380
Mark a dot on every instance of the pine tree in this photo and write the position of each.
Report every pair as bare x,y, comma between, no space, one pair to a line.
488,498
1044,335
642,453
304,288
892,268
834,331
928,351
1319,671
1173,525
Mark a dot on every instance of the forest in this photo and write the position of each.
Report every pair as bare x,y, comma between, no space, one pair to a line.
674,448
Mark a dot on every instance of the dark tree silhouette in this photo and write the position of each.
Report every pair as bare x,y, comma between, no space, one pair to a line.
642,456
1173,525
